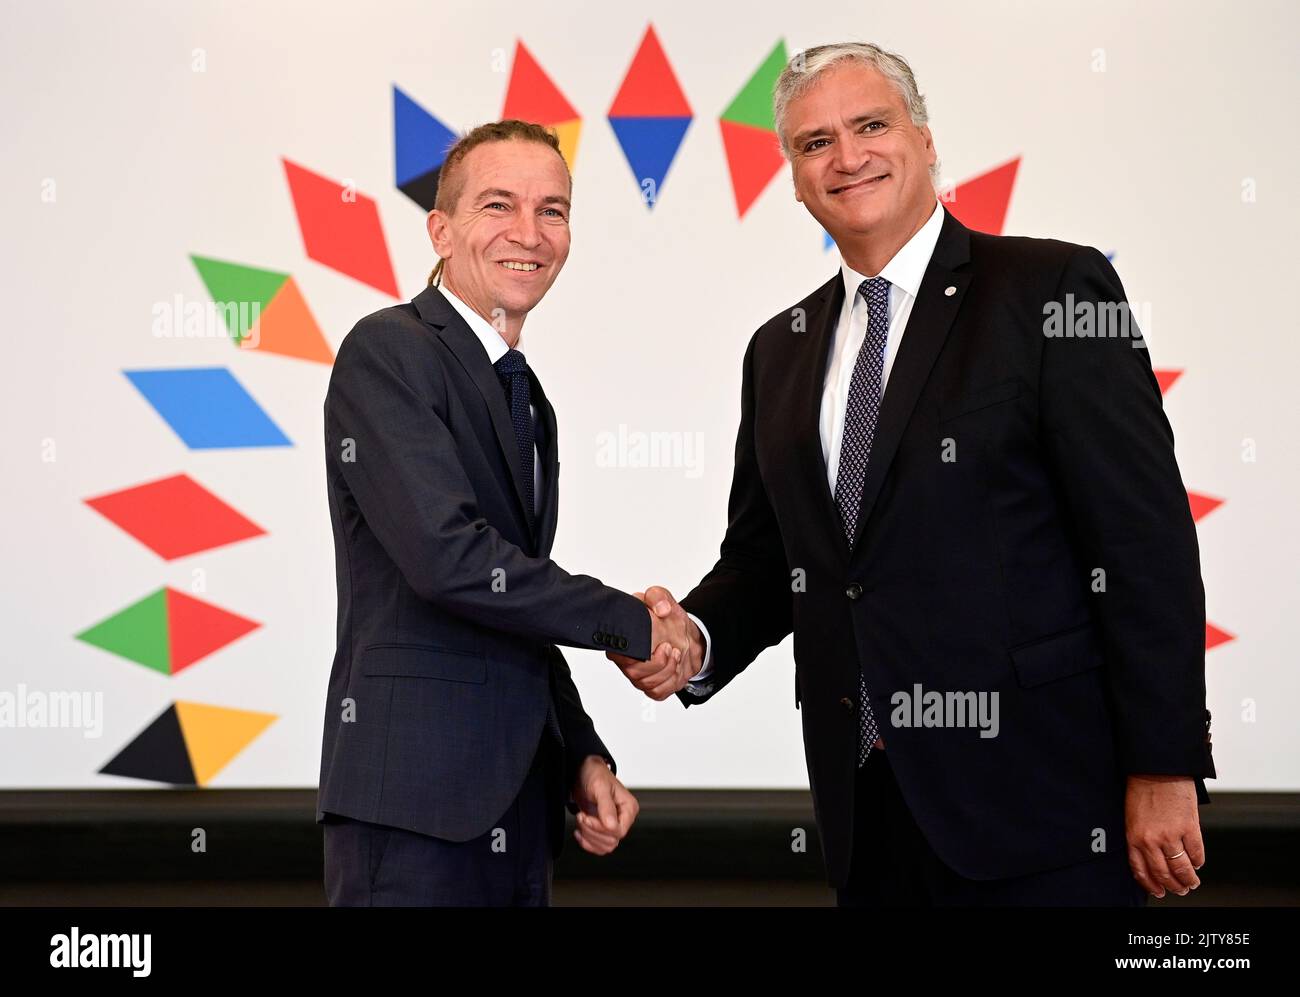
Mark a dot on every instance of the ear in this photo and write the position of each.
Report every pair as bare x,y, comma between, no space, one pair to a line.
794,182
930,153
440,232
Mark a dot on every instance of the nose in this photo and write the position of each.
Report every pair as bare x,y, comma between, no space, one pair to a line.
852,152
525,231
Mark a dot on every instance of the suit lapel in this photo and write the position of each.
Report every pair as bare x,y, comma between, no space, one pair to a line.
462,342
810,379
927,329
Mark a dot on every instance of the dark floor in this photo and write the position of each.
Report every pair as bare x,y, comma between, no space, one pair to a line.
571,893
128,848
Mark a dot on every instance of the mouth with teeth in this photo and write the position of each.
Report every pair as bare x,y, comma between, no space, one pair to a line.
519,265
866,184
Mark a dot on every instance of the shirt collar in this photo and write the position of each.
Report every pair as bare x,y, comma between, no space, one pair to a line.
908,265
487,335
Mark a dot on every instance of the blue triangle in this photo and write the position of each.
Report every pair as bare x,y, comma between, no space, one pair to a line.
650,145
827,241
420,141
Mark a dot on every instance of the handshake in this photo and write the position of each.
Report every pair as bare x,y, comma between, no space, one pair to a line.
677,648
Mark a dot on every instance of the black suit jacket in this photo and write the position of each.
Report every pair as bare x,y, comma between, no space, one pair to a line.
449,606
1007,468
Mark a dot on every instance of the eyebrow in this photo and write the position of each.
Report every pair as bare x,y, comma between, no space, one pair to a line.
857,119
502,192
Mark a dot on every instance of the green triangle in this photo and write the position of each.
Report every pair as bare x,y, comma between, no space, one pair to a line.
234,283
138,633
753,105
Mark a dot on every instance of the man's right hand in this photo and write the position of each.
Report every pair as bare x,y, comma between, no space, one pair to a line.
678,648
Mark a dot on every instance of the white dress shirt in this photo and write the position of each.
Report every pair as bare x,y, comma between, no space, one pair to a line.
904,272
497,348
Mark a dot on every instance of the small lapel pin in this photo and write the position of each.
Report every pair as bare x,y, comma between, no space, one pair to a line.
949,291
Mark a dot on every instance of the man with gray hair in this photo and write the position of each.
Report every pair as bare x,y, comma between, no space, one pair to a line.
935,491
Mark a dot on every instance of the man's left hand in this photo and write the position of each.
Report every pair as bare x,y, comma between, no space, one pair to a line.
606,809
1163,829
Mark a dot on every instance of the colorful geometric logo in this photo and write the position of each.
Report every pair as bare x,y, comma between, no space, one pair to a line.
749,132
174,517
207,408
264,310
188,744
340,228
167,631
650,116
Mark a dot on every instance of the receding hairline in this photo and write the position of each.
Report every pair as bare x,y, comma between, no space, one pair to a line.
452,179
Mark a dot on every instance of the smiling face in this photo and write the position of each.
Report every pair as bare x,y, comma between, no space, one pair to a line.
860,166
506,238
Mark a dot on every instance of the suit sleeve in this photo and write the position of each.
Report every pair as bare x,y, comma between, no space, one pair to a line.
1111,450
406,477
580,737
746,599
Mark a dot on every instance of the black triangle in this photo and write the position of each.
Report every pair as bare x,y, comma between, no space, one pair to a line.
423,190
158,753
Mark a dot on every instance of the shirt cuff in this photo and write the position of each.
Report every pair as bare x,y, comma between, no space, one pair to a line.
699,684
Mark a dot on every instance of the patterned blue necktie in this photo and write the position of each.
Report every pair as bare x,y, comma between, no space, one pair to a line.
513,371
855,451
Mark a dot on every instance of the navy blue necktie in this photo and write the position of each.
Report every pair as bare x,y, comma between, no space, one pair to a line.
855,451
513,371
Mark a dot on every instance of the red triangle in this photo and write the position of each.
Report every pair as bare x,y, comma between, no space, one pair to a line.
981,202
650,89
196,628
1214,636
532,96
1202,505
753,157
1166,378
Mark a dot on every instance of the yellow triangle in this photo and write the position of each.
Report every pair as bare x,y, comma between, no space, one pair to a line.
216,734
567,133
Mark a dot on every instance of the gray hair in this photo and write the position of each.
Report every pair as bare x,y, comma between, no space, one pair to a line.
807,66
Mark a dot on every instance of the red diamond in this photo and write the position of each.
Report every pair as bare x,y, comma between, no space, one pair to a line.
340,228
174,517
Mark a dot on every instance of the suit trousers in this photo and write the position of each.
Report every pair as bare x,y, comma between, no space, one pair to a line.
893,864
373,865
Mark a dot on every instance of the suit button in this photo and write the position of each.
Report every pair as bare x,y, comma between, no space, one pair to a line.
853,591
846,703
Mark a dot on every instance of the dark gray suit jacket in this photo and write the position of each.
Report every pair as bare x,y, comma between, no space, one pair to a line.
449,606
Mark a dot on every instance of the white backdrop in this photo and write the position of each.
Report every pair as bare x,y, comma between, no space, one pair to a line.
645,329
